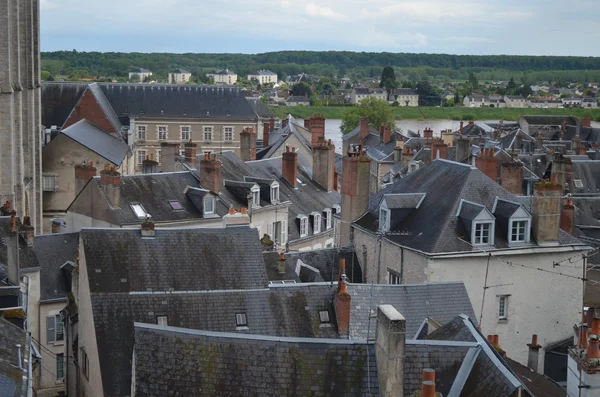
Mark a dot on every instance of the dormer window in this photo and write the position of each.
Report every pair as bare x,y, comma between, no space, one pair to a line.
337,209
519,231
384,219
482,233
514,220
328,218
274,193
303,226
255,196
478,222
209,205
316,223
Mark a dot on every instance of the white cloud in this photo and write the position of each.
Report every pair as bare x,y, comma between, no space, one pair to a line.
466,39
314,10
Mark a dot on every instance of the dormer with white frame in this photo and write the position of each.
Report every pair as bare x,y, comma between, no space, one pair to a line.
394,208
316,222
478,221
274,192
303,225
514,220
328,214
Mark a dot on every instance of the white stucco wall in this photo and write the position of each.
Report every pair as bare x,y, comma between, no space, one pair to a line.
47,379
592,380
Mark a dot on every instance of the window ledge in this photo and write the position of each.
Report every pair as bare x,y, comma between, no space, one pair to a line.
244,328
325,325
58,343
502,321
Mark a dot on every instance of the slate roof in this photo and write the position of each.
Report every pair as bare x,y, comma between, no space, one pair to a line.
538,384
27,257
13,381
362,91
141,70
327,262
403,201
279,137
251,366
446,184
383,151
588,172
272,268
406,91
153,191
58,100
120,260
265,72
53,251
260,109
93,138
439,301
181,71
105,106
550,120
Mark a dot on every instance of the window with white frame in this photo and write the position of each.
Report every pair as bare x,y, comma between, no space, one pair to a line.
324,316
158,155
502,307
161,132
328,219
60,366
483,233
162,320
185,132
519,231
304,226
337,209
255,196
384,219
49,183
209,205
393,277
241,320
228,134
208,133
274,193
55,330
141,132
317,223
141,156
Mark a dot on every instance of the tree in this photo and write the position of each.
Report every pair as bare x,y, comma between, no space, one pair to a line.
135,78
511,87
376,110
473,81
427,94
325,86
388,79
456,98
301,89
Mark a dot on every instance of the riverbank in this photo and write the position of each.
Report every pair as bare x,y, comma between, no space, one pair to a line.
431,113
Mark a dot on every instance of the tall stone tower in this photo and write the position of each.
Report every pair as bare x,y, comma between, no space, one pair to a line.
20,108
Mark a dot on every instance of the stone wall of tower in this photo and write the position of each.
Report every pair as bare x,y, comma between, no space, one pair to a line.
20,108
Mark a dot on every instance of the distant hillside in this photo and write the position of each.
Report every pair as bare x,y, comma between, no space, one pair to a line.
328,63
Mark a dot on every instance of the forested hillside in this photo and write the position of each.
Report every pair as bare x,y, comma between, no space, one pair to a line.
328,63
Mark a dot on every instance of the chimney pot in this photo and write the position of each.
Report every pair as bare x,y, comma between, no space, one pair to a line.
289,168
147,229
281,263
428,389
495,341
593,349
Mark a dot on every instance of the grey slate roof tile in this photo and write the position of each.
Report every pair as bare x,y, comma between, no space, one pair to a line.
13,381
98,141
27,257
53,251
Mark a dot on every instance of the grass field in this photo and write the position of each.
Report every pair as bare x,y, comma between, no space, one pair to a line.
430,113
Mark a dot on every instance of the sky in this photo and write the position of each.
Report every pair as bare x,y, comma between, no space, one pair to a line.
523,27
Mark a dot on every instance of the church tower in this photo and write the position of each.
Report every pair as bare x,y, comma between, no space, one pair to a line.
20,108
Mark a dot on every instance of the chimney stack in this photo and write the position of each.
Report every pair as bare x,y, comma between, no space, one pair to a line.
461,127
149,166
83,173
407,155
284,122
317,128
27,231
386,134
511,177
390,350
463,150
281,263
110,179
248,145
534,353
567,216
356,178
147,229
397,154
428,135
209,169
562,170
324,164
271,124
190,151
341,302
439,150
289,166
266,132
307,123
546,211
488,164
364,130
236,218
168,152
12,250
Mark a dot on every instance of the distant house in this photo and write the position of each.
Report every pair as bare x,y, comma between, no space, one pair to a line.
474,101
297,101
179,76
223,76
360,93
264,77
515,101
589,102
142,73
573,102
407,97
544,104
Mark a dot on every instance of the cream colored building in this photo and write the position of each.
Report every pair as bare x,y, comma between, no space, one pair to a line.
142,73
179,76
224,76
264,77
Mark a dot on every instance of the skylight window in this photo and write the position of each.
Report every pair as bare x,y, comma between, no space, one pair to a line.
176,205
324,316
241,320
578,183
139,210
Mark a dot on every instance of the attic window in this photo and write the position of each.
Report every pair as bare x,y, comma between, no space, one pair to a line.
384,219
303,226
578,183
139,210
324,316
316,223
209,205
337,209
274,193
328,218
255,196
483,233
176,205
240,320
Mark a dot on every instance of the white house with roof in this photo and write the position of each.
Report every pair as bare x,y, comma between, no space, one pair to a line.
179,76
263,77
223,76
142,73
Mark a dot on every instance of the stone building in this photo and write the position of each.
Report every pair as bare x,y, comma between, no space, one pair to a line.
20,127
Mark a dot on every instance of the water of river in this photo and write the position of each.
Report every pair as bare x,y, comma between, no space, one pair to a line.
332,128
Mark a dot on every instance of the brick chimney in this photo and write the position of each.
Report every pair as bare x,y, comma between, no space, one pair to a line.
236,218
289,166
147,229
149,166
511,177
397,154
567,216
463,149
324,164
110,180
168,152
390,344
27,231
83,173
562,170
317,128
190,152
428,134
407,155
281,263
546,211
248,145
364,130
307,123
266,132
488,164
209,169
386,134
271,124
356,176
439,150
341,303
534,353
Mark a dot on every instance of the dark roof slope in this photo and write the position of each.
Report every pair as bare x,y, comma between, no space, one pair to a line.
260,109
58,99
327,262
13,381
120,260
98,141
53,251
229,364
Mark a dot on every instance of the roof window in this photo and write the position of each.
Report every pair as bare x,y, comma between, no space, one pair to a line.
176,205
139,210
324,316
241,320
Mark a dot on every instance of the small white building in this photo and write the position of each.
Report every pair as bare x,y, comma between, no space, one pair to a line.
407,97
264,77
360,93
142,73
179,76
223,76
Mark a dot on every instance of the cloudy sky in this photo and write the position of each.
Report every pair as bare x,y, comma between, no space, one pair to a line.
529,27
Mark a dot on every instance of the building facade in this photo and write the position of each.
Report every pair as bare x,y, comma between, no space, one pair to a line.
179,76
20,126
264,77
223,76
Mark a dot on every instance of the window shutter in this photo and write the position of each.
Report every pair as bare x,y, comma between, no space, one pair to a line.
50,329
283,232
270,231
